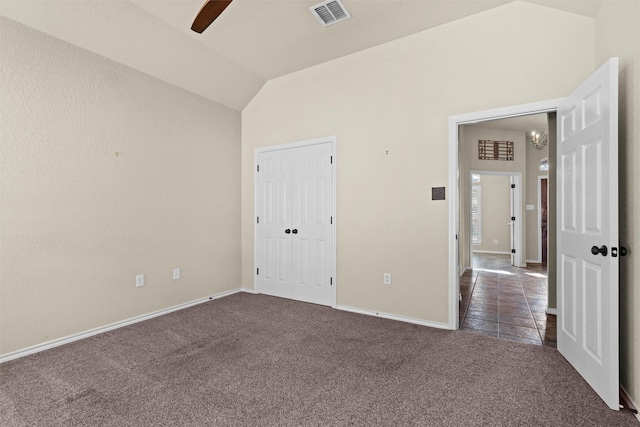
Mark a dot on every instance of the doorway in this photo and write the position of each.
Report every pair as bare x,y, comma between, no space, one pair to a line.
502,294
457,221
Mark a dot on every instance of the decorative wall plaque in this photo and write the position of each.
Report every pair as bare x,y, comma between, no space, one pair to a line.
495,150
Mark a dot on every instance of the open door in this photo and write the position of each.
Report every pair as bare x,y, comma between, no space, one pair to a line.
512,220
587,239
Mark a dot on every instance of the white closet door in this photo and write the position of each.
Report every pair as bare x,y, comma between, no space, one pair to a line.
274,207
294,230
312,208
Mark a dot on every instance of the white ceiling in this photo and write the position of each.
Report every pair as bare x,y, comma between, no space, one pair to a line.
252,42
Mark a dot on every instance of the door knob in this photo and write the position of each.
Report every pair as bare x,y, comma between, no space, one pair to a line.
294,231
601,250
287,231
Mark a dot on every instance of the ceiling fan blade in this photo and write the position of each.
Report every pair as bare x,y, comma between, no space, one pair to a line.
208,13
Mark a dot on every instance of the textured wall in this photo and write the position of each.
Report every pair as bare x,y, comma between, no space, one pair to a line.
618,34
78,221
397,97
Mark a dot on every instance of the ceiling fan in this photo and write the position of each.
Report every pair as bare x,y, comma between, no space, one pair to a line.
208,13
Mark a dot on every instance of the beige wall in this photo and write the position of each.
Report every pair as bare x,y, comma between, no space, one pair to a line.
398,97
495,211
618,34
78,222
468,158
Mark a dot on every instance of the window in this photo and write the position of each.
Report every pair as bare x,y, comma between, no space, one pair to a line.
476,215
544,164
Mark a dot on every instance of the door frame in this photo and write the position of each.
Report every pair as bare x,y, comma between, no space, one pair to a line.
540,178
297,144
455,122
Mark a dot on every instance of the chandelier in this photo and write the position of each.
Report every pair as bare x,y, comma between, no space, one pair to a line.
539,141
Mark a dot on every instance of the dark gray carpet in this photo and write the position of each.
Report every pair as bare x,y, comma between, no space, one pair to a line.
254,360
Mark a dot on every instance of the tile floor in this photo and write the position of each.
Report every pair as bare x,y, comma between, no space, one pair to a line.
506,302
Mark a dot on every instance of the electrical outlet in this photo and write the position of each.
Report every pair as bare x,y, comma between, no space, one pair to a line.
387,278
139,280
176,273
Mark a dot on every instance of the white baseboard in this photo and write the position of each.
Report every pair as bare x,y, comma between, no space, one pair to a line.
491,252
86,334
626,396
249,291
461,271
553,311
533,261
393,317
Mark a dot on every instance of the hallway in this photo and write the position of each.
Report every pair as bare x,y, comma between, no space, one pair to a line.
506,302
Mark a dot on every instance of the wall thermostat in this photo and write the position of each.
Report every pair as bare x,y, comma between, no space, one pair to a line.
437,193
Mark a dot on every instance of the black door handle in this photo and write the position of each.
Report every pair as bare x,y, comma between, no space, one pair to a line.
287,231
601,250
294,231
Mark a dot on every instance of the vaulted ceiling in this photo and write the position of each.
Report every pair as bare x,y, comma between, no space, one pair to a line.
252,42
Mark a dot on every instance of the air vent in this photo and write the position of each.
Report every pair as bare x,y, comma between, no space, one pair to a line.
330,12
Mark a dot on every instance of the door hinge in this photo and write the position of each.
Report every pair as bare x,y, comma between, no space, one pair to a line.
257,271
258,220
331,159
513,251
331,281
331,220
513,186
257,168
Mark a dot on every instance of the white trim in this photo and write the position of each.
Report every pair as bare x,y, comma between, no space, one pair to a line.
296,144
553,311
91,332
491,252
328,139
249,291
628,396
454,209
393,317
518,234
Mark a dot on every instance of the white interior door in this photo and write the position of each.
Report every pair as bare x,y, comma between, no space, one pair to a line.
588,221
312,210
512,220
274,207
294,223
517,257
